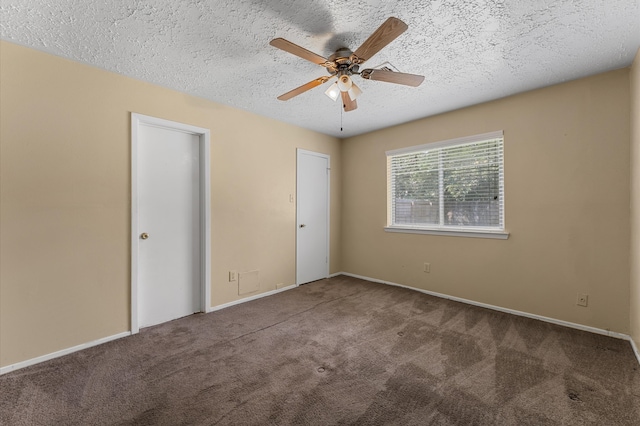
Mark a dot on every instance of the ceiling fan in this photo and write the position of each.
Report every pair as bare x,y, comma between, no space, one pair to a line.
344,63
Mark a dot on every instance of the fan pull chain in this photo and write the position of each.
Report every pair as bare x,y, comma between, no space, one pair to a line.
341,110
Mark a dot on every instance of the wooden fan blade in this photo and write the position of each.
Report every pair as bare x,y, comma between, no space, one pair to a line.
348,104
388,31
393,77
294,49
310,85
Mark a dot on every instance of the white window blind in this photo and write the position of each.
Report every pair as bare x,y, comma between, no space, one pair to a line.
448,185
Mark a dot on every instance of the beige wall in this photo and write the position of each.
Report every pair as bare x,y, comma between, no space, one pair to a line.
65,198
566,204
635,200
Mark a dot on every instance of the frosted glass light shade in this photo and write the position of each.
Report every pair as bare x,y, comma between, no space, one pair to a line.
344,83
333,92
354,92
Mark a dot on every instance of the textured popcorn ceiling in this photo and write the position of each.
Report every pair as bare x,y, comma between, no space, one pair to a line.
469,51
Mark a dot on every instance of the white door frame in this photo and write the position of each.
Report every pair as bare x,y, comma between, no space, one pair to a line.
138,120
328,157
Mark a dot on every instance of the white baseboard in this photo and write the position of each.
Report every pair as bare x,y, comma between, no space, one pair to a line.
250,298
635,349
336,274
506,310
62,352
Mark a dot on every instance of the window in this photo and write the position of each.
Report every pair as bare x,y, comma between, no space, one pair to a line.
453,187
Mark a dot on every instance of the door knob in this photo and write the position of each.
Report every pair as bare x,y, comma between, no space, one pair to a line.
302,225
144,236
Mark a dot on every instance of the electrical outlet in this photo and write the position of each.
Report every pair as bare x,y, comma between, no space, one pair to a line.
233,276
583,299
427,267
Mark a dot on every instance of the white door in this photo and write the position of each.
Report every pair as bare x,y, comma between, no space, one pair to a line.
167,224
312,236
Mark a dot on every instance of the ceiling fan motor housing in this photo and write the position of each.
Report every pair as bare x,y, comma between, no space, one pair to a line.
342,56
343,62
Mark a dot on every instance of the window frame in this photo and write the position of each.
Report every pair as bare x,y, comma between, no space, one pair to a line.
448,230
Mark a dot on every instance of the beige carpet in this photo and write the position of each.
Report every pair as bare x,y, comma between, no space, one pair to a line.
338,351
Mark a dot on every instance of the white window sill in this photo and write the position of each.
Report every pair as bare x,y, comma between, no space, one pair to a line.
470,233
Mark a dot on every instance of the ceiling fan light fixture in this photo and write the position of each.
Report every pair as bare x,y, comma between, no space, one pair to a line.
354,92
344,63
344,83
333,92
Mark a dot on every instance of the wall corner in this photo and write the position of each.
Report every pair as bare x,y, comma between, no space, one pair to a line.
634,284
